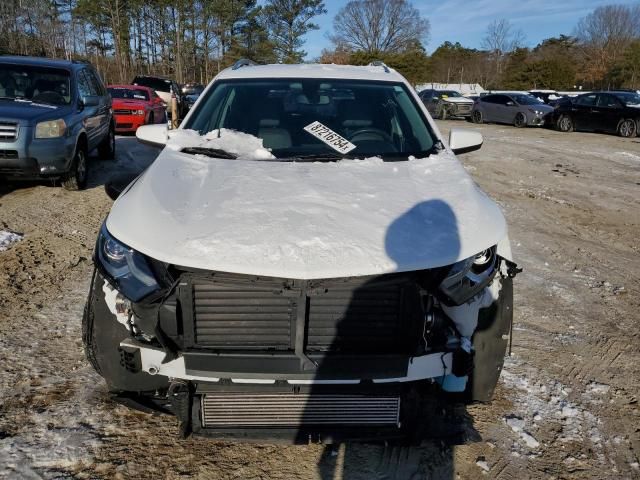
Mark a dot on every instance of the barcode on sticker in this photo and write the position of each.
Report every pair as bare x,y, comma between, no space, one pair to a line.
331,138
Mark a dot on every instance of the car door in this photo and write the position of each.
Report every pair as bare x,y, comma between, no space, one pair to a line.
90,113
489,107
608,112
582,111
104,105
501,110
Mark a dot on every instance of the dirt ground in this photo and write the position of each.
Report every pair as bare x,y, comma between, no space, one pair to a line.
567,404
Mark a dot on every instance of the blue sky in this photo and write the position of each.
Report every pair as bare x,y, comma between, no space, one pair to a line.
465,21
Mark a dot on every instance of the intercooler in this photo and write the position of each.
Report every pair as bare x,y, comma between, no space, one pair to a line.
290,410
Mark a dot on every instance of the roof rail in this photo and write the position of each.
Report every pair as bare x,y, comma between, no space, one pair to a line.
243,62
379,63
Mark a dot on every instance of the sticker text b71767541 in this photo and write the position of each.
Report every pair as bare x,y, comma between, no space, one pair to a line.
331,138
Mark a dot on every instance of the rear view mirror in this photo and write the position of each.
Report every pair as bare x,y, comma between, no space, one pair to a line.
153,135
463,141
116,185
90,101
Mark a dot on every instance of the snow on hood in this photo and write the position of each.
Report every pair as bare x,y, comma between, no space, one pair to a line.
241,144
305,220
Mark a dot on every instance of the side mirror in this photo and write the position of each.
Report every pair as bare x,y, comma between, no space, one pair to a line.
116,185
510,104
463,141
90,101
154,135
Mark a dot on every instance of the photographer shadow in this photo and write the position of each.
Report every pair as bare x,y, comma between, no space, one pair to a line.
426,231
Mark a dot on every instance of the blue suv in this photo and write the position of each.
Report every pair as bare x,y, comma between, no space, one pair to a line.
52,114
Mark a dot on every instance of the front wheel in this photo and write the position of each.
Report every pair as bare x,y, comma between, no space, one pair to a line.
628,128
476,116
107,149
520,120
76,179
565,124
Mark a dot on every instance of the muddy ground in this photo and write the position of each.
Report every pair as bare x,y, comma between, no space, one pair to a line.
567,404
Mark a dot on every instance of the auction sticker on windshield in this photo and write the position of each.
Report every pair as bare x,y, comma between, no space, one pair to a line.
331,138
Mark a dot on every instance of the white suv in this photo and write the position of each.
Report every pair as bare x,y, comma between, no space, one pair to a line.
305,259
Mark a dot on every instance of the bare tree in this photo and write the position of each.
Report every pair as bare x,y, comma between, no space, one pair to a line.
605,34
501,39
384,26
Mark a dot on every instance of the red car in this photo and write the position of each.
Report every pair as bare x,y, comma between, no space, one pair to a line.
135,105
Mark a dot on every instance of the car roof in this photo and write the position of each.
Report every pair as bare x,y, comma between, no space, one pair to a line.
155,77
41,61
321,71
132,87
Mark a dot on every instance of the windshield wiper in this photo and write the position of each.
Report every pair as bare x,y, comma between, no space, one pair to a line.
209,152
316,157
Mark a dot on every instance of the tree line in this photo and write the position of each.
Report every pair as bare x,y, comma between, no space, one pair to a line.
192,40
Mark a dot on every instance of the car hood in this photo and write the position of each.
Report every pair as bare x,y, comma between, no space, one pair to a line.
457,100
127,103
306,220
27,113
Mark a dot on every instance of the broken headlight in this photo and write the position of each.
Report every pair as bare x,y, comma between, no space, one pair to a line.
468,277
127,269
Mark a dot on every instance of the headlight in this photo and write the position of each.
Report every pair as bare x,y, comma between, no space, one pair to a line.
469,276
127,268
537,112
138,112
51,129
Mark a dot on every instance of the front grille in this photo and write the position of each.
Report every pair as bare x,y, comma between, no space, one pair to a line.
240,315
124,125
8,131
463,109
375,315
8,154
364,318
122,112
289,410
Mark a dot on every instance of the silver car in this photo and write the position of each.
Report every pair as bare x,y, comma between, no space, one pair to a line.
517,109
446,103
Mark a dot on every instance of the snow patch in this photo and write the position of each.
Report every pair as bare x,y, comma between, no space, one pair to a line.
241,144
517,425
7,238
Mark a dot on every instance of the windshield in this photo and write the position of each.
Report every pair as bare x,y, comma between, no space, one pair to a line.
450,93
158,84
310,117
128,93
527,100
629,98
35,84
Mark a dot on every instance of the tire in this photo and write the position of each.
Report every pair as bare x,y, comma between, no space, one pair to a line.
628,128
520,120
476,116
76,179
565,124
107,149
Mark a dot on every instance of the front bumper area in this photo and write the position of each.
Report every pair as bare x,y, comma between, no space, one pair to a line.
289,387
28,158
128,123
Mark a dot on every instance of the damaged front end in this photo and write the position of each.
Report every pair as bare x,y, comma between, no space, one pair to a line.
241,356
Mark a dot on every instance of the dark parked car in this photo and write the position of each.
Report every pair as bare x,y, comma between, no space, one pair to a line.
52,114
518,109
614,112
191,92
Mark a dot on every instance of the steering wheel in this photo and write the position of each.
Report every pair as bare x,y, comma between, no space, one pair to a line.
371,131
49,96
